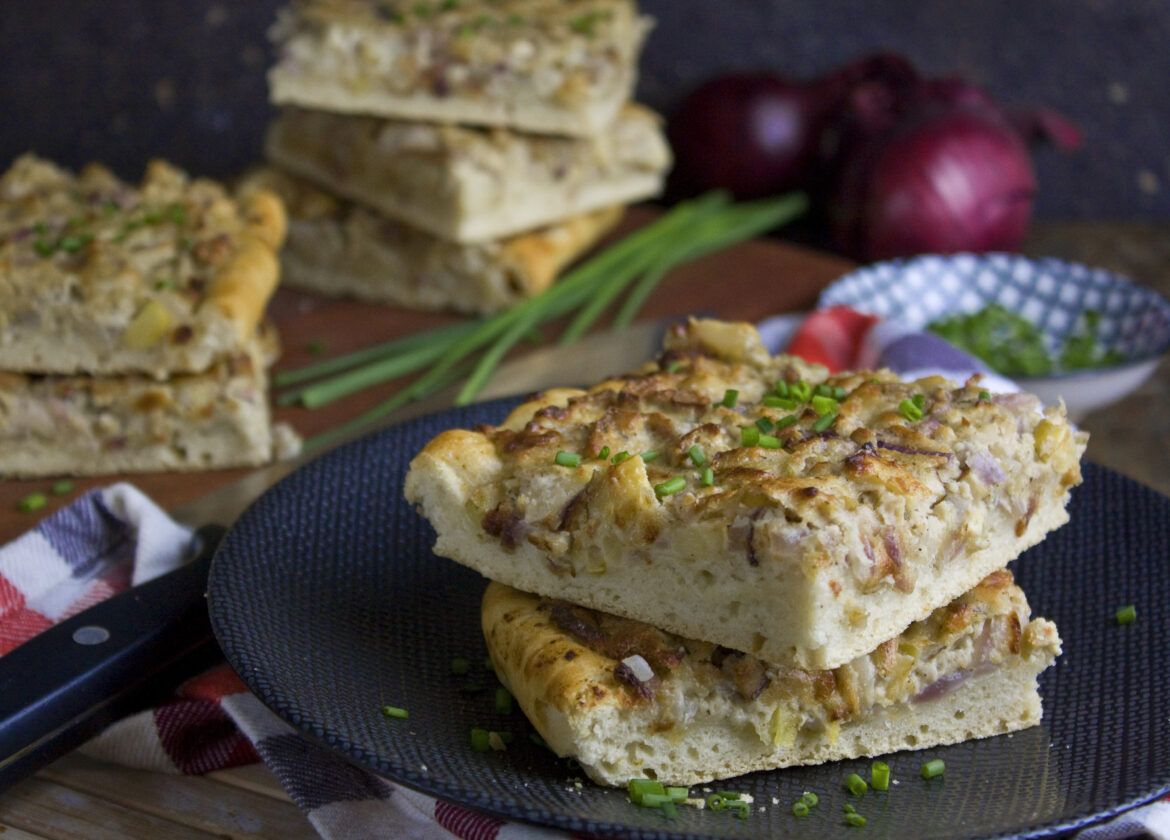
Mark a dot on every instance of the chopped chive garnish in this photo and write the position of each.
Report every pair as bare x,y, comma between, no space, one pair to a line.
677,793
786,421
62,486
910,411
669,810
481,740
729,794
394,712
765,425
730,397
849,809
823,405
670,486
503,702
621,456
856,784
1127,614
44,247
567,459
879,776
984,396
460,666
649,455
933,768
673,366
800,390
823,390
178,213
708,477
770,442
781,388
786,403
32,502
698,458
799,808
654,800
919,401
809,798
742,809
604,453
72,244
839,393
639,788
750,436
824,421
855,820
716,802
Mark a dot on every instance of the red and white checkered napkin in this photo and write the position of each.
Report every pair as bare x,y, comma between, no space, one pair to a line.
111,538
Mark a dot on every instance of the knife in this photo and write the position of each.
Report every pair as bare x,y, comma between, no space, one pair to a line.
66,684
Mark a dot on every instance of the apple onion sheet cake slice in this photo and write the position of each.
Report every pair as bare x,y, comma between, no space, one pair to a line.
629,701
750,500
561,67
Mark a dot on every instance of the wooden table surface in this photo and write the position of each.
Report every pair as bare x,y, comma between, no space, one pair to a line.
81,798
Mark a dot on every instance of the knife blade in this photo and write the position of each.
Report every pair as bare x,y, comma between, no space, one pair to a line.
66,684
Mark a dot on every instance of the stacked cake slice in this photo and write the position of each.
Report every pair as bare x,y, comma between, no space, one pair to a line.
131,332
737,563
422,147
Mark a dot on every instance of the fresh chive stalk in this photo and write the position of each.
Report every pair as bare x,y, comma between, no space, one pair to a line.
439,335
473,349
739,222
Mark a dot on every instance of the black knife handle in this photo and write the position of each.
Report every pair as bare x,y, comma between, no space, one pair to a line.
69,682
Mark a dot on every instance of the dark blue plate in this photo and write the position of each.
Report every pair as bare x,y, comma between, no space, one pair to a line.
328,602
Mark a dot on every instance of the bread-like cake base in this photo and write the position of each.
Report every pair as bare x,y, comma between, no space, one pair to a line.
854,517
78,425
340,249
969,671
466,184
543,66
101,277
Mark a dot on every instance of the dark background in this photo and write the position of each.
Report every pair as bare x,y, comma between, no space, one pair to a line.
124,80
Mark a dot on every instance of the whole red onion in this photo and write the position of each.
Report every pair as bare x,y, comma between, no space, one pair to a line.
944,178
759,134
752,134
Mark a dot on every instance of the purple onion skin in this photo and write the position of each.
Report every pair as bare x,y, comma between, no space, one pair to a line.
759,134
751,134
945,179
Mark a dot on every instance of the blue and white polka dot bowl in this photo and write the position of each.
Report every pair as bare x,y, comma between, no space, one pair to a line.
1134,321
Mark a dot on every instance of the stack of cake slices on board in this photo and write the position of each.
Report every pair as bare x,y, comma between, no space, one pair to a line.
455,154
132,336
729,561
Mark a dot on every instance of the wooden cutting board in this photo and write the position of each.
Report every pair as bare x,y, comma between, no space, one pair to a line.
748,282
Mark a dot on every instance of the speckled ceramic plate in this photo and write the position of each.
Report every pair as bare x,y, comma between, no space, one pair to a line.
327,600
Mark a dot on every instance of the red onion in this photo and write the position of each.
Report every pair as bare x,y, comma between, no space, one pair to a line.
758,134
897,163
752,134
942,180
